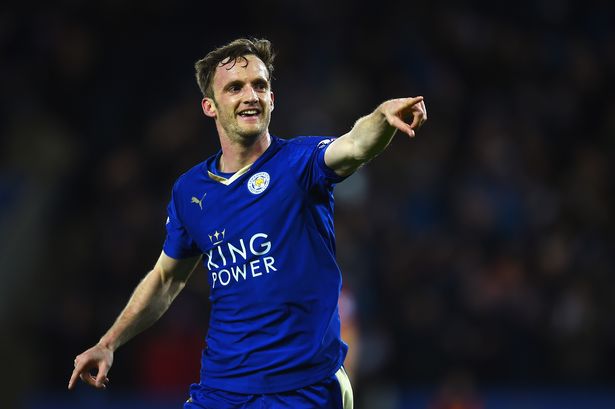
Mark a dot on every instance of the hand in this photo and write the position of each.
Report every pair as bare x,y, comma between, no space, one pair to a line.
395,110
99,357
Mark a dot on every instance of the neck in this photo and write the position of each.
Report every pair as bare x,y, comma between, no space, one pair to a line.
237,155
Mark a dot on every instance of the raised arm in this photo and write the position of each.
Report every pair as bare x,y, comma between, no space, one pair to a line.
371,134
148,302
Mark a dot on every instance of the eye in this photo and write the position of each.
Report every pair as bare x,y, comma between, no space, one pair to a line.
234,87
261,86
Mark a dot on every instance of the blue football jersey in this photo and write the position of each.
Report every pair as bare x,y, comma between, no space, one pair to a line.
268,244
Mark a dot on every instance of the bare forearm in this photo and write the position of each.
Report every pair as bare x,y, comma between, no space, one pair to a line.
148,302
371,134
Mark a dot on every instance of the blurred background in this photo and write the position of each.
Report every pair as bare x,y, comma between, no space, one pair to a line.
478,257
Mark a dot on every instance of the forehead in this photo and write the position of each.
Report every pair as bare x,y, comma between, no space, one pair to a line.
245,68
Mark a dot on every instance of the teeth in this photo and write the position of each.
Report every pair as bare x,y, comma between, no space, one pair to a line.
249,112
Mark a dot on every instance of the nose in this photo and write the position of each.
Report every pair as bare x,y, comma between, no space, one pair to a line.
250,96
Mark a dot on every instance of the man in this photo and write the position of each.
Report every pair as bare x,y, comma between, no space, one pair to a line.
261,212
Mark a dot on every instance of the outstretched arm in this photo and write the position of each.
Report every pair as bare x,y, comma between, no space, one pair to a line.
371,134
148,302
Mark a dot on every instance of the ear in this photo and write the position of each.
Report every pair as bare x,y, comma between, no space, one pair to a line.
209,107
272,98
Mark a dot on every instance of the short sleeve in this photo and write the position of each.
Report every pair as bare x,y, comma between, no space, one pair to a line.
314,171
178,243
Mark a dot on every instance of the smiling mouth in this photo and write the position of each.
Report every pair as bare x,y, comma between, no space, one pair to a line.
249,113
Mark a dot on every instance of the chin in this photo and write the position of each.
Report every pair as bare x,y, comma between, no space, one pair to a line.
249,134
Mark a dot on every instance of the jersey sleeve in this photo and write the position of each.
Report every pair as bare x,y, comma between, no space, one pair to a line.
178,243
310,161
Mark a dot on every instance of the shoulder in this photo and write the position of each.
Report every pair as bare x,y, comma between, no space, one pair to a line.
193,175
310,141
307,144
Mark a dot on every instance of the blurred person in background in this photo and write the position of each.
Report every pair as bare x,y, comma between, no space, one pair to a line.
457,391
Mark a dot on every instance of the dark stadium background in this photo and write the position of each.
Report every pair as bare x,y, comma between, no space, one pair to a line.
478,257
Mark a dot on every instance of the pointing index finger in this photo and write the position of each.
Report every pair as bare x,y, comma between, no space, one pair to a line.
73,377
414,100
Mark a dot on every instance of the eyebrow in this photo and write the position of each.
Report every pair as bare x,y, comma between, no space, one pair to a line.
259,80
233,83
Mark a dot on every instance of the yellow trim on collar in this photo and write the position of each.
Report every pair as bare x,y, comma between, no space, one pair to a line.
230,180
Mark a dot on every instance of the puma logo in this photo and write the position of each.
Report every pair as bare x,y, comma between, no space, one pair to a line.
197,201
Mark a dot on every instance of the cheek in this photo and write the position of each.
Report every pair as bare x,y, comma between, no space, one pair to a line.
226,110
269,103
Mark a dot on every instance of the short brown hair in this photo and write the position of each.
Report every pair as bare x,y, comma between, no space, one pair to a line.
235,50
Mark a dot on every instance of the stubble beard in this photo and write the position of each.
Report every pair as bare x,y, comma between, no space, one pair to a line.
238,134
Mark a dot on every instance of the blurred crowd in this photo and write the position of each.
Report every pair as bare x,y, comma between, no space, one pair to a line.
481,247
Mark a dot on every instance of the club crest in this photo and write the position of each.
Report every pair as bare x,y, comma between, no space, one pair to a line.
258,183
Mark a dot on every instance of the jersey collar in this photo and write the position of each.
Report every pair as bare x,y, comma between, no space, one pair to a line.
230,180
227,181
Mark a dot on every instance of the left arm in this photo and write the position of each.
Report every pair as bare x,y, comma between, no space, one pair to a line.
371,134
